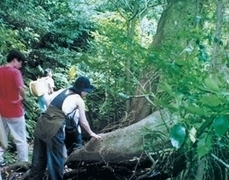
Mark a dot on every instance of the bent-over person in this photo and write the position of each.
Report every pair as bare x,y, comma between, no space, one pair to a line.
50,130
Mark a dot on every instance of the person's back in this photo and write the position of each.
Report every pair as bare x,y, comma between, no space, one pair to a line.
10,82
49,82
48,89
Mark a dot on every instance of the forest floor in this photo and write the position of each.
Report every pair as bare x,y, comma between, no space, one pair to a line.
90,171
128,170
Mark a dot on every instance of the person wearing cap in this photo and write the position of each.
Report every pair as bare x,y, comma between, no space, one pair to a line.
12,92
49,132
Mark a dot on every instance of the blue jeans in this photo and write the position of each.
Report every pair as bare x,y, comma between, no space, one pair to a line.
42,103
49,154
73,140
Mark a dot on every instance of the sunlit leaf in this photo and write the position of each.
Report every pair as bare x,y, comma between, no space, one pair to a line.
177,135
211,100
123,95
192,134
211,84
72,73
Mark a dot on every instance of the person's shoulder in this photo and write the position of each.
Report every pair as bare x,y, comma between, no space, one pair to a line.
49,98
79,99
11,70
48,79
55,93
2,68
73,96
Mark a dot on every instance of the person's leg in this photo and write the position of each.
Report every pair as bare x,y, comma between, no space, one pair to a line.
39,160
42,103
69,142
79,143
55,155
73,140
2,150
79,139
17,128
65,152
1,156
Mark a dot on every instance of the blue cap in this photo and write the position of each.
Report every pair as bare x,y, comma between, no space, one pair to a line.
82,84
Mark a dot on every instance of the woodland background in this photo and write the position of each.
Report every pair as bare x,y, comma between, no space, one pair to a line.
142,56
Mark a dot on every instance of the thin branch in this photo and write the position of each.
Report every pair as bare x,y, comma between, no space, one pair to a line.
220,160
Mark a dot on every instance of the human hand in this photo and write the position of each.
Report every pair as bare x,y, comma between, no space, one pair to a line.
95,136
18,100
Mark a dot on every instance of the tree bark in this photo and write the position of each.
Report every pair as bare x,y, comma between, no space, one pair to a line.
140,107
123,144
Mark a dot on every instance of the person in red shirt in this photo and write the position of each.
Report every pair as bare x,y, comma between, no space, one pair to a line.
12,92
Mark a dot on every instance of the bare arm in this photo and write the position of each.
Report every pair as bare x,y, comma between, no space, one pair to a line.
83,120
51,86
21,95
50,89
22,92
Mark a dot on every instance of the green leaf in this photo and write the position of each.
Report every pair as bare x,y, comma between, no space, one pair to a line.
177,135
192,134
72,72
211,100
195,110
204,146
84,58
211,84
206,124
220,125
166,87
180,62
165,104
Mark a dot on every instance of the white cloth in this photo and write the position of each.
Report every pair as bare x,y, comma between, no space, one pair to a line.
3,137
49,83
68,105
17,127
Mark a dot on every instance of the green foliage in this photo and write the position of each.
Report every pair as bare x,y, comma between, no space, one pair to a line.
75,38
153,140
25,26
197,98
204,145
119,56
220,124
178,135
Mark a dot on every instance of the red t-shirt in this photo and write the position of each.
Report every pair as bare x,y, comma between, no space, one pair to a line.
10,82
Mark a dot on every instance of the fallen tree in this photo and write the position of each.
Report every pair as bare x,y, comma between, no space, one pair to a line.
123,153
123,144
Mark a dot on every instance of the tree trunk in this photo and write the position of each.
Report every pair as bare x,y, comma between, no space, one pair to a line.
126,143
140,107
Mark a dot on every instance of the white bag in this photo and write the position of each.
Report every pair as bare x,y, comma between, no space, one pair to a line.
3,137
37,87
